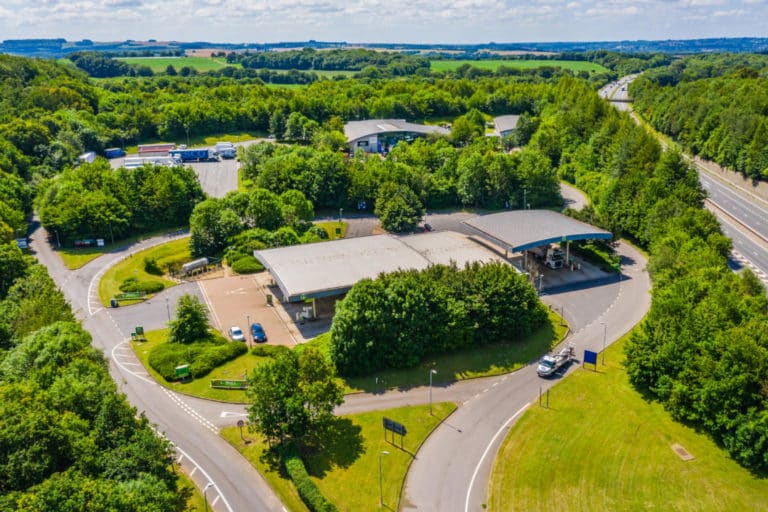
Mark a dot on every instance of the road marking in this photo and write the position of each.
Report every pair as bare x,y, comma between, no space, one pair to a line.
207,300
485,453
207,476
227,414
213,503
124,368
193,471
191,411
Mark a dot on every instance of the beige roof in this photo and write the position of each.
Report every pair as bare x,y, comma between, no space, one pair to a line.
331,268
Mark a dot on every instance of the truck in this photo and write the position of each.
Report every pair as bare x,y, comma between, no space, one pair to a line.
550,364
225,150
551,255
187,155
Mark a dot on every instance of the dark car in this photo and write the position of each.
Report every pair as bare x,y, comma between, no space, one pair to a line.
257,331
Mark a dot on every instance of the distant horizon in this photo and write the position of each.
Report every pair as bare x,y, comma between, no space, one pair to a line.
387,21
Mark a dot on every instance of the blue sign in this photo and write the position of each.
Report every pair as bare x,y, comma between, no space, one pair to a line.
590,357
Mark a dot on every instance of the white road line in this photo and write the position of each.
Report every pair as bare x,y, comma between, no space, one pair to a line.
207,300
213,503
205,474
485,453
122,365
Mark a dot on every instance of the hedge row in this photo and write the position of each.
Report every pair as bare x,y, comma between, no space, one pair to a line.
134,285
308,491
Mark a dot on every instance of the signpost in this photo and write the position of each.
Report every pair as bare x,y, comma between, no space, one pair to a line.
395,428
229,384
182,372
590,358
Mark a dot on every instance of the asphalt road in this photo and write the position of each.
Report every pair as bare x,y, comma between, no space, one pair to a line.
231,483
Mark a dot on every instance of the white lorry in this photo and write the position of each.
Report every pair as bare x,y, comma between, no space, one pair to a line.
551,363
551,255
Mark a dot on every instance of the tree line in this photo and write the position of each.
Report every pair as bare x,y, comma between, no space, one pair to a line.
714,105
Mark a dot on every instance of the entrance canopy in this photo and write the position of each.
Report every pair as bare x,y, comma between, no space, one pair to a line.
520,230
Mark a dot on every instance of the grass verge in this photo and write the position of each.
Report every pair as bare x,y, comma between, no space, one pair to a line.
494,64
330,227
351,457
195,501
75,258
600,446
479,362
231,370
160,64
133,266
467,364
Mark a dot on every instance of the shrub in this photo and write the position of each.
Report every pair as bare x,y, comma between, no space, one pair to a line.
247,265
308,491
201,357
269,350
151,267
134,285
211,357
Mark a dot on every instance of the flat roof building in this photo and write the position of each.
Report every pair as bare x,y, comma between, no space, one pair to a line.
380,135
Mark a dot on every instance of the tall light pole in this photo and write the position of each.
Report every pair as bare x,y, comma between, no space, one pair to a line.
381,480
247,328
168,309
525,190
431,373
205,498
605,330
341,210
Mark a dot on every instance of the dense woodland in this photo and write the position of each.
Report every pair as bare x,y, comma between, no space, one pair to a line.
716,106
701,351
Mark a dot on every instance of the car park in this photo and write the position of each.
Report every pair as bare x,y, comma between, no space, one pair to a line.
236,333
257,331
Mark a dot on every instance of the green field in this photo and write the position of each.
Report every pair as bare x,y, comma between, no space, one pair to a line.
600,446
133,266
493,65
347,469
159,64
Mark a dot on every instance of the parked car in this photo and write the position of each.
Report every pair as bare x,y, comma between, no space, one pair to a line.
236,333
257,331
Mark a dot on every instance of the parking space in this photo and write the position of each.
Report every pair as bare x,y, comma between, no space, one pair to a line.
236,300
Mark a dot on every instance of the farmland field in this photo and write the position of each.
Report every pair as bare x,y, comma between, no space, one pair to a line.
159,64
573,65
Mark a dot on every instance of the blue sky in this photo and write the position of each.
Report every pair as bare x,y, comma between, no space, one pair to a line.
386,21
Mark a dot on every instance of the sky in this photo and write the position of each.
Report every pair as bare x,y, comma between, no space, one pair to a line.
382,21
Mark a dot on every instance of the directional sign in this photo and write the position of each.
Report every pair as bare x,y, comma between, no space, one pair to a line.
397,428
590,357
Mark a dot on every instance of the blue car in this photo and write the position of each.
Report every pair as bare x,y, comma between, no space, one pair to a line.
257,331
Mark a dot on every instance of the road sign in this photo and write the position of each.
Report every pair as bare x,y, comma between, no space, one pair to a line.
182,371
590,358
397,428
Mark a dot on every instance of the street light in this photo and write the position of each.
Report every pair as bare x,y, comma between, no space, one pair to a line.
381,484
168,309
525,190
431,373
247,326
205,498
341,210
605,329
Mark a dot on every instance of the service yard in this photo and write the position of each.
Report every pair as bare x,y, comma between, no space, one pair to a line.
236,300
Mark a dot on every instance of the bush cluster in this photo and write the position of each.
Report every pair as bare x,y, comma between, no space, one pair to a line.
269,350
202,357
134,285
308,491
247,265
399,318
151,267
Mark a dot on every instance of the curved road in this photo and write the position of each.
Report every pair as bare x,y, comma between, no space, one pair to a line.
230,482
461,449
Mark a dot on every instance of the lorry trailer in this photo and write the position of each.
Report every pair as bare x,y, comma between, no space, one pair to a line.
187,155
551,363
225,150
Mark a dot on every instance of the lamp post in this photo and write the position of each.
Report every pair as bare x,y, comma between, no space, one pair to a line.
431,373
247,327
381,480
525,190
168,309
341,210
605,330
205,498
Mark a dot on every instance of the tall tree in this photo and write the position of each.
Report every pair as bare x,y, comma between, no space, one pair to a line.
191,323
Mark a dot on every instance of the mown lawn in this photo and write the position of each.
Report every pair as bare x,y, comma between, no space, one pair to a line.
74,258
573,65
347,469
236,369
467,364
600,446
330,227
133,266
